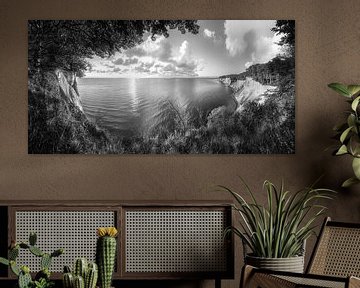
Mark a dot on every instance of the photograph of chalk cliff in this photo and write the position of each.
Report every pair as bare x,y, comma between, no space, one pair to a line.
161,86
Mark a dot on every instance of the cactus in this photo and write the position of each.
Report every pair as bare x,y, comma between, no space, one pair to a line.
32,238
45,261
80,267
13,253
68,280
14,268
24,280
23,273
4,261
79,282
91,276
36,251
105,254
90,272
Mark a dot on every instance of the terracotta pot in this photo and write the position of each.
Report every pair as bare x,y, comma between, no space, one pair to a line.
291,264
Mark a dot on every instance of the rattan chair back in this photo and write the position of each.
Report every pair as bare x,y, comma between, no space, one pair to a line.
337,252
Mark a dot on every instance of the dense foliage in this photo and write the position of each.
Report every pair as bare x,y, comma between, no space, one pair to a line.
66,44
349,132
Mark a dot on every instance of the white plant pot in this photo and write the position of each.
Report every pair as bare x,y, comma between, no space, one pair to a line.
291,264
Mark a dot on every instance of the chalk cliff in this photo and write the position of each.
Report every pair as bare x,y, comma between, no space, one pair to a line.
248,90
68,87
57,122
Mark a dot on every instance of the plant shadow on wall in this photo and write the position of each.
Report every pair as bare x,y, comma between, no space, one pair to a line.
58,53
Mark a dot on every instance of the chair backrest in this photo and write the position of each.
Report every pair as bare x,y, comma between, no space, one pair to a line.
337,251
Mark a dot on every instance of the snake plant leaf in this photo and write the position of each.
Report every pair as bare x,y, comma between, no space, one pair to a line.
354,90
356,167
340,88
349,182
342,150
345,134
355,103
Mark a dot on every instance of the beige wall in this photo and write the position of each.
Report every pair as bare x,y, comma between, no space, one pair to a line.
327,50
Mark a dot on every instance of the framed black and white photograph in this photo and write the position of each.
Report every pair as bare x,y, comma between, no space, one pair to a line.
161,86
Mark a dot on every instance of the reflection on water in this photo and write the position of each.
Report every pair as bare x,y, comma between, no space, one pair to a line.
129,106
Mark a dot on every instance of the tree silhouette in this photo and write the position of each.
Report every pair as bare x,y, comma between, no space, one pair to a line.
67,43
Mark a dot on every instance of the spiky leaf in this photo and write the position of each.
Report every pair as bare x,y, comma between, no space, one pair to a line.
349,182
340,88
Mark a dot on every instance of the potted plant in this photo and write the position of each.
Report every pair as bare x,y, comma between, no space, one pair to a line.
42,278
348,132
276,233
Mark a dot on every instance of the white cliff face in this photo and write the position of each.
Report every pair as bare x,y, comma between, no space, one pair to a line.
248,90
67,83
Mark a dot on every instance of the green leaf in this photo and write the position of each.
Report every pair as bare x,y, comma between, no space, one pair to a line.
340,88
354,145
342,150
349,182
355,103
345,134
4,261
353,89
14,268
356,167
351,120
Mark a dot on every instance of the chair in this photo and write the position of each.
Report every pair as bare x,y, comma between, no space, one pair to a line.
335,262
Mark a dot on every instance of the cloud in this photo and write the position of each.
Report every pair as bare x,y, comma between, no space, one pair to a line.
125,61
209,34
116,69
158,57
252,40
118,61
136,51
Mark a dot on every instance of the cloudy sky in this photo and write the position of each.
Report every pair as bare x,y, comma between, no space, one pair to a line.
221,47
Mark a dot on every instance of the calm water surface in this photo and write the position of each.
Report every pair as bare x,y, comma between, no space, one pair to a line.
130,105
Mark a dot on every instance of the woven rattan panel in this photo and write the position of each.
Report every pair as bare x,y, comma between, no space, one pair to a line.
175,241
338,253
75,231
312,282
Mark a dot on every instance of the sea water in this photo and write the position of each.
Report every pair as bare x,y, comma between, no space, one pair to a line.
129,106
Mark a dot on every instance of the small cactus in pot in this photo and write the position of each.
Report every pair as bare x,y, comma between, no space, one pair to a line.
85,275
106,254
